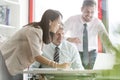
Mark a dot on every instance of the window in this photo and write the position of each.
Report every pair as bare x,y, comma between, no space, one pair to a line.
66,7
114,20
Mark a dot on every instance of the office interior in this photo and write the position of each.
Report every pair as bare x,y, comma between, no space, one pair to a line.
21,12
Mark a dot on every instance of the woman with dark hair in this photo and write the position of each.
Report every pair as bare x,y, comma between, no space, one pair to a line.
25,46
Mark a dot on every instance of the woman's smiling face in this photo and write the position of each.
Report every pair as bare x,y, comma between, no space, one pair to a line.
54,25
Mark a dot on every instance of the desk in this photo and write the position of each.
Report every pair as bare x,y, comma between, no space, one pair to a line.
65,74
59,71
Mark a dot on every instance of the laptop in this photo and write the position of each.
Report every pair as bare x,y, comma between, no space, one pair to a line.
104,61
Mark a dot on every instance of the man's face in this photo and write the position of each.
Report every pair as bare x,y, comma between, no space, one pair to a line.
58,37
87,13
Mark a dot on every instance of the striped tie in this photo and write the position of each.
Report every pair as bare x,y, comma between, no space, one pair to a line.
56,55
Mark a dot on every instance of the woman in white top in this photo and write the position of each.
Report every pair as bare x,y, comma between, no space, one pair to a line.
25,46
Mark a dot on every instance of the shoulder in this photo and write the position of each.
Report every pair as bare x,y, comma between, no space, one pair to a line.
96,20
31,28
69,44
33,31
98,24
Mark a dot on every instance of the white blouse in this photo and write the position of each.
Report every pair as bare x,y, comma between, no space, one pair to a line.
21,49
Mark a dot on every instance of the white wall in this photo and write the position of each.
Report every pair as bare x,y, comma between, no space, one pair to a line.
18,17
66,7
114,20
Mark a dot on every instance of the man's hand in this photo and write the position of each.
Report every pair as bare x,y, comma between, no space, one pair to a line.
75,40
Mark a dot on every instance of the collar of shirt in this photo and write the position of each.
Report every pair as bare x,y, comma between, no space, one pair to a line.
53,45
83,22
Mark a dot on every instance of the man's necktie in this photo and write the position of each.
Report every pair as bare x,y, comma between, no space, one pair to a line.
56,55
85,45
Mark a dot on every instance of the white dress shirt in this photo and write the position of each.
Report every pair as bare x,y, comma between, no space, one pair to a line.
68,53
74,28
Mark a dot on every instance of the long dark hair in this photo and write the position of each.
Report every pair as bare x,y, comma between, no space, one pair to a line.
49,15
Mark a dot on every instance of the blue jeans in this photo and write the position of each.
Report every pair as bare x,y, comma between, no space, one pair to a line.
92,58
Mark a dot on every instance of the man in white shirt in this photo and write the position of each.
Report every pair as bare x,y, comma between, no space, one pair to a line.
68,51
74,31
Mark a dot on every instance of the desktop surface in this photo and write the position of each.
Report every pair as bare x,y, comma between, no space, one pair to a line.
71,74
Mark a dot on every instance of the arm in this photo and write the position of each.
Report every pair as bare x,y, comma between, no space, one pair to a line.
75,40
105,40
69,31
48,62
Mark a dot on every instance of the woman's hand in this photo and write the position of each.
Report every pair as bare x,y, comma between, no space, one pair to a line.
64,65
59,65
75,40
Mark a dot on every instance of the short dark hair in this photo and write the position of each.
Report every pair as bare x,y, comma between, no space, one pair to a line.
88,3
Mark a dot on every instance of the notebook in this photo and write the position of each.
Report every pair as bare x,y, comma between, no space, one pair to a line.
104,61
